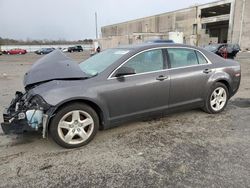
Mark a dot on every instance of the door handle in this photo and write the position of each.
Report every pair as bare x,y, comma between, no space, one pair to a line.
162,78
206,71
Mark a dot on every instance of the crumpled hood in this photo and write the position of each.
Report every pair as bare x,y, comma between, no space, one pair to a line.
54,66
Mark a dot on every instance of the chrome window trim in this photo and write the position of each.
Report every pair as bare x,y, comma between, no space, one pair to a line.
162,70
161,48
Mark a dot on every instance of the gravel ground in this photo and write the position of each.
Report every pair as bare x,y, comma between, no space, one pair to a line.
188,149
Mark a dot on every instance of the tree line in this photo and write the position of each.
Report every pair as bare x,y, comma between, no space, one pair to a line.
7,41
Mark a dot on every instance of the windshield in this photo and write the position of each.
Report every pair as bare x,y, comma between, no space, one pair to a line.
211,48
99,62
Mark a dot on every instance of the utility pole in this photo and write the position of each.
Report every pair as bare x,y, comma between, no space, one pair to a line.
96,28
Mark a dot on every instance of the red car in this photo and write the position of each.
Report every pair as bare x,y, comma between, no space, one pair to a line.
15,51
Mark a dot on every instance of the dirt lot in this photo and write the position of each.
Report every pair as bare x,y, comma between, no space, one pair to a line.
189,149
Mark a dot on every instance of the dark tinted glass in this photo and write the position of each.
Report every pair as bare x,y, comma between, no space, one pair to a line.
181,57
147,61
201,58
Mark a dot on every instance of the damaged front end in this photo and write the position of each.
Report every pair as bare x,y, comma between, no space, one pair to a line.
26,112
29,111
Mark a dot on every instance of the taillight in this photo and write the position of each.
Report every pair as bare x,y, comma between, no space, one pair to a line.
237,75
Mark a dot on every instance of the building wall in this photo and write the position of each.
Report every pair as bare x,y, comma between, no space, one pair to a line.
241,26
111,42
181,21
246,23
184,21
237,21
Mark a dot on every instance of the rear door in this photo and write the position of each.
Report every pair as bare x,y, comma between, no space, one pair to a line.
189,75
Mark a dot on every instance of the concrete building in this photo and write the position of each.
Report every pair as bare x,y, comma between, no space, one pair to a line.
220,21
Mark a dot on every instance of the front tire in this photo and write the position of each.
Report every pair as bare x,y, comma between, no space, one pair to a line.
74,125
217,99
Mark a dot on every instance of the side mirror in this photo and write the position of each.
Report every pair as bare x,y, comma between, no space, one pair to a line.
123,71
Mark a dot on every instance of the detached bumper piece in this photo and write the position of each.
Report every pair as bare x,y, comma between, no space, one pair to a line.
14,126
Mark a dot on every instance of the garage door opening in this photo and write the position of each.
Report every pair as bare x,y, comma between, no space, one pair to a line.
218,30
215,21
218,10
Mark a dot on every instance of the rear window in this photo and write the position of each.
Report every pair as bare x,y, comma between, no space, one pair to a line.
201,58
181,57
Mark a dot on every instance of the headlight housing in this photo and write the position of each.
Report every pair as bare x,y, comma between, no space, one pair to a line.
37,102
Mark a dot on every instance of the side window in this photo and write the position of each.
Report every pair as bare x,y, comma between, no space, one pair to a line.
146,61
180,57
201,58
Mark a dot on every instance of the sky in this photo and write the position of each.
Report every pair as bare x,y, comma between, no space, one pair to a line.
75,19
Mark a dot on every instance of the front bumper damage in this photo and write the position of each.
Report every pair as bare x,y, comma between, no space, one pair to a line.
14,126
26,112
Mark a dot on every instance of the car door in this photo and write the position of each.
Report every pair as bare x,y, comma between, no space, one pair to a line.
141,94
189,75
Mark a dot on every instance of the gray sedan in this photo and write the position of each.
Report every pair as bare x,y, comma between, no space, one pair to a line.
71,102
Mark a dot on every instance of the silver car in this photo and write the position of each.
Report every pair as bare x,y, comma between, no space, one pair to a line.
70,102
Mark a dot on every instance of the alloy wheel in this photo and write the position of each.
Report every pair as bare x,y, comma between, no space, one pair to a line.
75,127
218,99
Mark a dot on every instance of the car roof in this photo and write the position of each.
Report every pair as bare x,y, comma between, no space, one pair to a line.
144,46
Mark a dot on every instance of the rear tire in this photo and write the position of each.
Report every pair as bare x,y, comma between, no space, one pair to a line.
74,125
217,99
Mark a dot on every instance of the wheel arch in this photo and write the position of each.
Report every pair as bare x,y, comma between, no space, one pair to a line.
226,83
224,78
96,107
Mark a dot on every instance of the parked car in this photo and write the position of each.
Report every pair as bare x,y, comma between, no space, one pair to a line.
44,51
118,85
1,53
75,49
219,49
15,51
64,50
235,49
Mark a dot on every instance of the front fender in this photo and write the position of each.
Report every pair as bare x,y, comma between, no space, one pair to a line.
56,94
